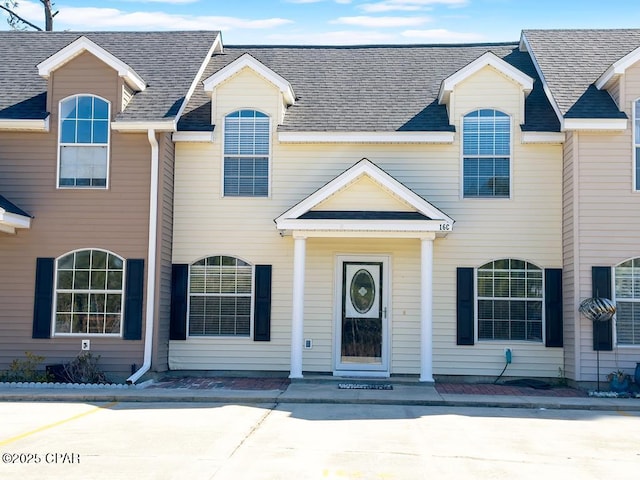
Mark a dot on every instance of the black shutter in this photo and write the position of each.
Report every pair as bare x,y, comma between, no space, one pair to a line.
179,285
602,331
43,300
133,299
262,305
553,306
465,310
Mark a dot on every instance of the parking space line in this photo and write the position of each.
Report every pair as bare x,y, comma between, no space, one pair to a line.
55,424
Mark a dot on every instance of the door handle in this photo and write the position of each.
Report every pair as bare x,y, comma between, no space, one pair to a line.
384,312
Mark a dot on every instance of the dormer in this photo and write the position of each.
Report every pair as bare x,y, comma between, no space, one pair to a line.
495,80
130,83
610,79
250,73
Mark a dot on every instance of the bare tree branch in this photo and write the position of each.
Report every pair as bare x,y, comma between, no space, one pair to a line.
14,18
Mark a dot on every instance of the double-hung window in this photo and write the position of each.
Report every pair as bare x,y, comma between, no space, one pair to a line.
486,150
627,288
510,301
246,154
89,293
84,142
220,297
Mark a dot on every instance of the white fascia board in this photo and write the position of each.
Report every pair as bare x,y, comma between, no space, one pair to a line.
13,220
607,124
363,167
198,137
617,69
26,125
247,61
366,137
543,137
216,46
83,44
142,126
363,234
413,226
487,59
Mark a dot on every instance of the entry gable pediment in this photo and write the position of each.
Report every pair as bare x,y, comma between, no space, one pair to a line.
364,197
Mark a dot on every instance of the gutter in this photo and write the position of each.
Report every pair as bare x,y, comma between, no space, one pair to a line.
151,259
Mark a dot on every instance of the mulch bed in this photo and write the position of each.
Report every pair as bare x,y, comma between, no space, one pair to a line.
491,389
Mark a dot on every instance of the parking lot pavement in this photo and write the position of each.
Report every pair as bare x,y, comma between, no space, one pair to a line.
194,441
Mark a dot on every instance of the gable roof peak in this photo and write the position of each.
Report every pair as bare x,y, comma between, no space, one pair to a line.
83,44
246,60
484,60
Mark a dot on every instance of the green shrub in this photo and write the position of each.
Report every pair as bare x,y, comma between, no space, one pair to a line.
25,370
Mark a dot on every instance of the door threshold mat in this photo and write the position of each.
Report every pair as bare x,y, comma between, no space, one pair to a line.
365,386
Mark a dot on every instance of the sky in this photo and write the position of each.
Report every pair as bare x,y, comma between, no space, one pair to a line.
337,22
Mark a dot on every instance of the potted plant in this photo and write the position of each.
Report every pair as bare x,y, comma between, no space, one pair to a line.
618,381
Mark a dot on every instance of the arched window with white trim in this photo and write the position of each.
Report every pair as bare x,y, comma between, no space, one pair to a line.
89,293
486,150
83,142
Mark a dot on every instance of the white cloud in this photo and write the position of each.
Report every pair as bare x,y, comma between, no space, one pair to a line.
176,2
344,37
111,18
441,35
408,5
384,22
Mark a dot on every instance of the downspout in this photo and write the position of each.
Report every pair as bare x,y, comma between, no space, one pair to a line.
151,260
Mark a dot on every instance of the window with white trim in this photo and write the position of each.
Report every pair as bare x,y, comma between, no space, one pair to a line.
636,136
486,164
246,154
83,142
220,297
89,293
510,297
627,290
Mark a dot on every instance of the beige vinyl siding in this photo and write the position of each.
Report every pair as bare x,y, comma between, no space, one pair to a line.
115,219
165,240
364,194
609,221
526,226
570,262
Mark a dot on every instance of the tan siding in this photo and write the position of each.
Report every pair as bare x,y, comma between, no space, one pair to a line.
609,229
67,219
165,232
570,315
526,226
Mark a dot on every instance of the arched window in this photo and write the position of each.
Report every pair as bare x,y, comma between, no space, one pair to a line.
510,301
84,142
89,293
220,294
246,154
486,154
627,288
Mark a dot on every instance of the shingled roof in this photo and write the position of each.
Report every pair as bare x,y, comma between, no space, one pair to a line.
370,88
167,61
572,60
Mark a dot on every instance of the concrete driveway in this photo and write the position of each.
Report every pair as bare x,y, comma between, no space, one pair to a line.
310,441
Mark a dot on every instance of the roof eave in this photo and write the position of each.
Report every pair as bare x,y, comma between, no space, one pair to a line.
144,126
40,125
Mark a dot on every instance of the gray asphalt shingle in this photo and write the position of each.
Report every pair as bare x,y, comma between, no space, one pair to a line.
371,88
572,60
167,61
9,207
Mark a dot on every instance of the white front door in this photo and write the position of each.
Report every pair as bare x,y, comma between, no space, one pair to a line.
361,314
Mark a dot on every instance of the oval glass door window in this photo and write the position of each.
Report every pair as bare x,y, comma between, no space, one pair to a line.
362,291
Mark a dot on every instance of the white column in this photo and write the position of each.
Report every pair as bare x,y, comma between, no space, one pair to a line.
426,309
297,321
